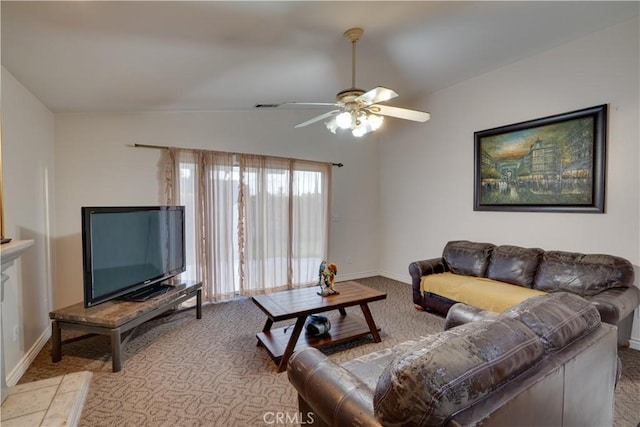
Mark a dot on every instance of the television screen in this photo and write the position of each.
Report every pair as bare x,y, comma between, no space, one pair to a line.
126,249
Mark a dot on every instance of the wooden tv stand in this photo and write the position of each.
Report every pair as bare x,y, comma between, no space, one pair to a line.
116,317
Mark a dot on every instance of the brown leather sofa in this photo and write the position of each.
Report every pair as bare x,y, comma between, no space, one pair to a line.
605,280
548,361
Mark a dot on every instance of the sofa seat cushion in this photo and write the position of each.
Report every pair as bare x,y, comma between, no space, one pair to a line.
480,292
453,370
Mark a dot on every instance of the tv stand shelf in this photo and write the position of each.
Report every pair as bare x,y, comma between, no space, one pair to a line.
116,317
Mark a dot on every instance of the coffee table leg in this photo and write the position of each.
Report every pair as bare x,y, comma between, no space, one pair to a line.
267,325
372,325
266,328
199,304
291,345
342,311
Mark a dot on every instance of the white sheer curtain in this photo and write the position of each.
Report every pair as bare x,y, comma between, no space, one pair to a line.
265,223
310,219
203,181
255,225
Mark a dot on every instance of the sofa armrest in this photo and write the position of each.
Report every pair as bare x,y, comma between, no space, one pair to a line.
616,307
334,395
461,313
417,269
616,304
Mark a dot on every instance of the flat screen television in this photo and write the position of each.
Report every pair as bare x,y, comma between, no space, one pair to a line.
128,252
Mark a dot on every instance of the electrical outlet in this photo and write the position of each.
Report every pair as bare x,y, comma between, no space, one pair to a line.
16,330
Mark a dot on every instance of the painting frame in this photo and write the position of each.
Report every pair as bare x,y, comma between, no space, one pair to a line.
551,164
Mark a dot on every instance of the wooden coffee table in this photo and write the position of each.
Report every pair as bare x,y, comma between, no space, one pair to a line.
297,304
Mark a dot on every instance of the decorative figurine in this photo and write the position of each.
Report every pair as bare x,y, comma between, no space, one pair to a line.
326,279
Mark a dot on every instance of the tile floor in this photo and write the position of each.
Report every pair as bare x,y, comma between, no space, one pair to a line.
52,402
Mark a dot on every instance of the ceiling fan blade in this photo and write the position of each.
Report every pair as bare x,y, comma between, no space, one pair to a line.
376,95
400,113
317,118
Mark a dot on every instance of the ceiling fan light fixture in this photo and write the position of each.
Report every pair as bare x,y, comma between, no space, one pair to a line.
332,125
344,120
361,125
359,122
357,110
358,131
375,121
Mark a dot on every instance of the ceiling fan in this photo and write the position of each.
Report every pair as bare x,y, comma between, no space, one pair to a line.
356,109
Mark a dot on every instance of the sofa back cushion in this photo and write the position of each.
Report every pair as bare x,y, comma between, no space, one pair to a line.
452,370
584,275
515,265
467,258
558,319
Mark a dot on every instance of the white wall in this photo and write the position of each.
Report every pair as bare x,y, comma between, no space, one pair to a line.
427,173
28,173
94,166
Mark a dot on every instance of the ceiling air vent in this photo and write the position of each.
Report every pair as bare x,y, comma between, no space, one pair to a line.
267,105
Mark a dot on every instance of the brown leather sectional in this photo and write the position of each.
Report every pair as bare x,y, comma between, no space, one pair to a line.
604,280
547,361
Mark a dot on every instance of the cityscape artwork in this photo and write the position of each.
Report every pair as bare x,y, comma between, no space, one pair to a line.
555,164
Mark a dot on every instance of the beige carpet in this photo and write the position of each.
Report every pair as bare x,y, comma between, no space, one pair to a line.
179,371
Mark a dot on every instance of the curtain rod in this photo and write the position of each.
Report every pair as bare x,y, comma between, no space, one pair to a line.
164,147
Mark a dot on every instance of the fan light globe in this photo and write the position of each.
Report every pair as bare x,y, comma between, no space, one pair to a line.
359,131
375,121
361,125
332,125
343,120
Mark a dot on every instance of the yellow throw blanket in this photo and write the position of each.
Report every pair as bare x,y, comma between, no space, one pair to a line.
479,292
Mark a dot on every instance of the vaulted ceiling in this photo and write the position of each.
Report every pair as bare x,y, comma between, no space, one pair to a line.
174,55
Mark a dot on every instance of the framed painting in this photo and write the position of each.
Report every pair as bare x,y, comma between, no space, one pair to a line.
552,164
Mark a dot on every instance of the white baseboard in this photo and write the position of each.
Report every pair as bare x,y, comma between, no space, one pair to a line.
634,343
16,373
356,276
404,278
